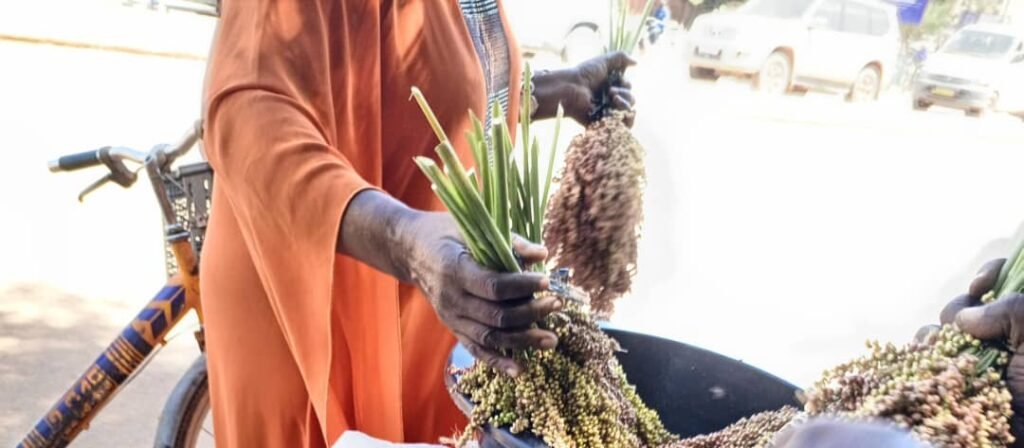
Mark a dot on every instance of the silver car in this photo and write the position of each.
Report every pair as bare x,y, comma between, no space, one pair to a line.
980,69
848,46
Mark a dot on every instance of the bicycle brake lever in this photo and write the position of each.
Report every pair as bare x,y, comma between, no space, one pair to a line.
119,173
94,186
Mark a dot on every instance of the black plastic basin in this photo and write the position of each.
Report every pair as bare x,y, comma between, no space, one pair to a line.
694,390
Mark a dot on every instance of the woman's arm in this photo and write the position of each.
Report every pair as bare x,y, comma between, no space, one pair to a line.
486,310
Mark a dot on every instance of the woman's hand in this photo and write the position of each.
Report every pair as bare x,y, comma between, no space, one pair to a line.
575,88
1002,320
488,311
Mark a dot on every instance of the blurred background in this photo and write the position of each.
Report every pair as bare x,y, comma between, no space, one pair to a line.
820,172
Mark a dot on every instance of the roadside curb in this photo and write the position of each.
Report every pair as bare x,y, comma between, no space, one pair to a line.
102,47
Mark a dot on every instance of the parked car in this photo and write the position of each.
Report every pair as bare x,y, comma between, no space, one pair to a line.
981,68
848,46
573,29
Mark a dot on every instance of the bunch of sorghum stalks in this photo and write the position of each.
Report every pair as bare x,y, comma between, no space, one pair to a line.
946,389
574,396
595,215
755,431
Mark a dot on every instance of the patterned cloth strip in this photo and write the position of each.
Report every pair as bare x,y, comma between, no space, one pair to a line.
483,20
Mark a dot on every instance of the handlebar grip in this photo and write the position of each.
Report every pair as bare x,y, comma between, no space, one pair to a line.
72,162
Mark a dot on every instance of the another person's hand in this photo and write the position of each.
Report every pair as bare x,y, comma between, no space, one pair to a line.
824,433
1002,320
486,310
575,88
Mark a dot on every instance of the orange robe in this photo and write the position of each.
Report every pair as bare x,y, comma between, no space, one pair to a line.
306,105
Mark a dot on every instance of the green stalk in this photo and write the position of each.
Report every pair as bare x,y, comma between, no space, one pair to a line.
619,37
551,159
524,182
536,211
1011,265
496,197
431,118
479,170
501,173
478,142
448,194
524,113
635,37
520,217
498,238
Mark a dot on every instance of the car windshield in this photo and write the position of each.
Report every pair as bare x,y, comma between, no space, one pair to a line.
780,9
980,44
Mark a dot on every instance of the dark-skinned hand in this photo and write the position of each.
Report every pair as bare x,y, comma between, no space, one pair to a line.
487,311
577,87
999,321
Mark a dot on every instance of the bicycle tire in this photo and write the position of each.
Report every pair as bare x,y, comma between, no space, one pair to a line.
186,409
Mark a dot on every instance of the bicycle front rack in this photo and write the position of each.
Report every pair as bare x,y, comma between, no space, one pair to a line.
190,191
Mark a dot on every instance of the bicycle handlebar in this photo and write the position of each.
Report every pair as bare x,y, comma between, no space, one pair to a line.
187,141
88,159
78,161
158,161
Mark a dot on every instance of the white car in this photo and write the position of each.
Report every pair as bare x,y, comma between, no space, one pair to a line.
981,68
849,46
573,29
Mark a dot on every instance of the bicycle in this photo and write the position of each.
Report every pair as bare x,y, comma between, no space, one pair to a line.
184,195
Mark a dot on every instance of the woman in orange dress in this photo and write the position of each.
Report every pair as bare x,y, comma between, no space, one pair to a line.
332,294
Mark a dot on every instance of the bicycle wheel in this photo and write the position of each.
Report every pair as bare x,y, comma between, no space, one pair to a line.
186,421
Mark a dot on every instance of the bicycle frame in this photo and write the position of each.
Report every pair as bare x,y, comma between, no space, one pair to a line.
135,345
123,357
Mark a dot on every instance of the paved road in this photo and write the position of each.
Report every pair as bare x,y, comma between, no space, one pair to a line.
783,231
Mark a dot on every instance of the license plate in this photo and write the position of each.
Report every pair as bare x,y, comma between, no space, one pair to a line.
942,91
709,52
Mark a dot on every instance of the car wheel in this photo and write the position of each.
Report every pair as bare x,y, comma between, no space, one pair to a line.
919,104
775,74
582,43
976,113
866,86
703,73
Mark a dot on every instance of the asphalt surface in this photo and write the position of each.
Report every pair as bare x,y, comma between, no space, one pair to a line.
780,230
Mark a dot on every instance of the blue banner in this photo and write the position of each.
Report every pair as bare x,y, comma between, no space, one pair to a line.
910,11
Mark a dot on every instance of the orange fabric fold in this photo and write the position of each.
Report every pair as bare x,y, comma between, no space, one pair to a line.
306,105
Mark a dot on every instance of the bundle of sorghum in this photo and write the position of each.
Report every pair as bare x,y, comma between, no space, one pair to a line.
947,390
595,215
755,431
577,394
